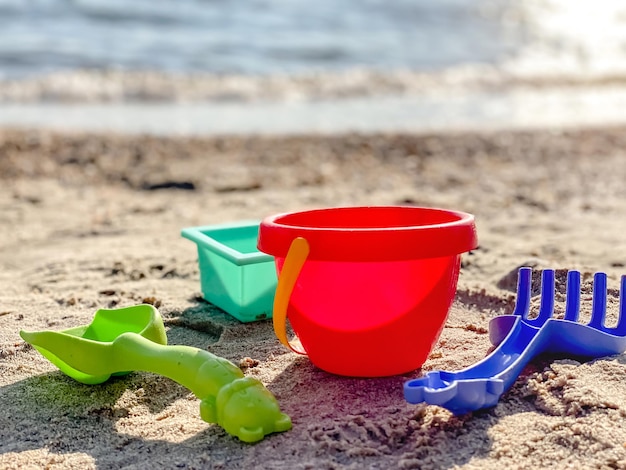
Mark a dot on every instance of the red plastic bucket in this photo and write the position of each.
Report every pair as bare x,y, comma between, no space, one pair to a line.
367,289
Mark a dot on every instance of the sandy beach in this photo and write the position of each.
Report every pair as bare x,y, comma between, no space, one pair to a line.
91,221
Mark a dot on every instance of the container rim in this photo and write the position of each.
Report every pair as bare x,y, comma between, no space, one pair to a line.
371,233
200,235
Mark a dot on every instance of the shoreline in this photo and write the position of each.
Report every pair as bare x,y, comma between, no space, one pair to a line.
466,111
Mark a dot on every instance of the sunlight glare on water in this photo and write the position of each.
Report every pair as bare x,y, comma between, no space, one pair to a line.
573,37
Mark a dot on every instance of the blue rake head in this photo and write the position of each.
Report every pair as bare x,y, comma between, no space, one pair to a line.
500,326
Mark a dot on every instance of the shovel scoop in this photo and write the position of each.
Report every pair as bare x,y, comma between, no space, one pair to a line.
123,340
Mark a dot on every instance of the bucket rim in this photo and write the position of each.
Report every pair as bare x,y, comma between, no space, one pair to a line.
388,233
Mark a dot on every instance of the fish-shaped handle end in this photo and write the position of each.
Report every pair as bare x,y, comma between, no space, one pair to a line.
460,396
246,409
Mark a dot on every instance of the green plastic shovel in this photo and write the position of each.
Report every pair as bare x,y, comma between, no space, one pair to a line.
133,338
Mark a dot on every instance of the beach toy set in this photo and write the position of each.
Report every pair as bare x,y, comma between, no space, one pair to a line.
367,291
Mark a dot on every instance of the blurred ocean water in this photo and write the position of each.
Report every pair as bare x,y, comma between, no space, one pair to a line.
252,36
225,49
276,66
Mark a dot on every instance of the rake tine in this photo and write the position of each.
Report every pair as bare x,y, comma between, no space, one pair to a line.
620,328
522,303
598,308
546,308
572,301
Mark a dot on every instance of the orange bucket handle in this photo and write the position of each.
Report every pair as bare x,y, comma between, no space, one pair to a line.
296,256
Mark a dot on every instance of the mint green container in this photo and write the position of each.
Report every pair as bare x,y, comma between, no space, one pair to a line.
234,274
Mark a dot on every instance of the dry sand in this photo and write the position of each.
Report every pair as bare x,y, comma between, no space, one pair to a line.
93,221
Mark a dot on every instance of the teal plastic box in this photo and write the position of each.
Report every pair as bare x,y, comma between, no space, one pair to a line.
234,274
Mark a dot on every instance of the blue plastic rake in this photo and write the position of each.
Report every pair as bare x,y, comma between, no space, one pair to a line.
520,338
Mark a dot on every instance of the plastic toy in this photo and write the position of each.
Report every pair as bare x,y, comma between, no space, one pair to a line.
133,338
520,338
234,275
366,289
